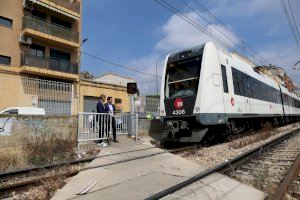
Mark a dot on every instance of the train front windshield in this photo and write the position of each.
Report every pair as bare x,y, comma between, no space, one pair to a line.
182,77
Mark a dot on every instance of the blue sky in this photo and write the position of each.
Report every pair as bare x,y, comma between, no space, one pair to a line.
136,33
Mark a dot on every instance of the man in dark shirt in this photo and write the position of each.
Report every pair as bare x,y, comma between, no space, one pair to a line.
110,108
101,121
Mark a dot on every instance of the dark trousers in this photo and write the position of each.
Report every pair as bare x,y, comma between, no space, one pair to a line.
101,123
113,124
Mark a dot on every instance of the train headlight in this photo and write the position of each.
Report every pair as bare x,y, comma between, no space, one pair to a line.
197,109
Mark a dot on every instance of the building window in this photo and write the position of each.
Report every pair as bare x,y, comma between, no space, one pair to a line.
59,55
37,50
5,22
61,22
5,60
39,14
224,77
118,100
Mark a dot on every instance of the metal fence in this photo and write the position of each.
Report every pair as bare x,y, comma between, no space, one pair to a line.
54,96
98,126
93,126
127,123
152,104
50,28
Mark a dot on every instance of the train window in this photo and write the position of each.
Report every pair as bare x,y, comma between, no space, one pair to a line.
248,86
238,83
224,77
182,77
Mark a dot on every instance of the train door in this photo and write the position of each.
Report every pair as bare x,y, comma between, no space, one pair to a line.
248,92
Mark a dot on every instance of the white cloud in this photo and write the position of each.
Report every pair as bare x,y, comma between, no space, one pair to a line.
265,16
179,34
285,56
148,84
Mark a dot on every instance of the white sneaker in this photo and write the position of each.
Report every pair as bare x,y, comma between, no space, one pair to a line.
103,144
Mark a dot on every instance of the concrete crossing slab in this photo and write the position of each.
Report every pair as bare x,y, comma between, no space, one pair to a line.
152,171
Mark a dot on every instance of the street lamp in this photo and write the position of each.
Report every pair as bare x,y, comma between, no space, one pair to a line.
296,64
83,41
79,53
79,66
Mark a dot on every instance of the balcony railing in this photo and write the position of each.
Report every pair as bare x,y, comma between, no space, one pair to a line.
50,28
69,4
48,63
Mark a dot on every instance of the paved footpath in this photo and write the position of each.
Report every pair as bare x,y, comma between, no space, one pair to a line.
129,170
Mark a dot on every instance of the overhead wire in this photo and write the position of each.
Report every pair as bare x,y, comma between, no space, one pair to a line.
118,65
293,17
290,22
226,27
190,21
194,23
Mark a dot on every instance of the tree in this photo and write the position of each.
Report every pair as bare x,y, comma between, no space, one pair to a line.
86,75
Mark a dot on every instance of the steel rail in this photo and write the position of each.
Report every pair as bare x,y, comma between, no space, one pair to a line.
285,183
35,181
223,166
83,160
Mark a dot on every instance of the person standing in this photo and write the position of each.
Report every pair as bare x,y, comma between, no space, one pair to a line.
100,119
110,108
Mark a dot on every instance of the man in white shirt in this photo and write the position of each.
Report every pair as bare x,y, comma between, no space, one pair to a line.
110,108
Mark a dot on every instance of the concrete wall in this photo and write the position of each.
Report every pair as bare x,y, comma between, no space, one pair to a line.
15,127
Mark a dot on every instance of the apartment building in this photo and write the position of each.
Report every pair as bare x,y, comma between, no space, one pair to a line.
40,44
39,54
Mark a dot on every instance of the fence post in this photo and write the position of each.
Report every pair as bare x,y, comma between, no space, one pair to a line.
136,127
110,129
78,132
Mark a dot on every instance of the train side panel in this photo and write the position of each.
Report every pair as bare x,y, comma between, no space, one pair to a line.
209,102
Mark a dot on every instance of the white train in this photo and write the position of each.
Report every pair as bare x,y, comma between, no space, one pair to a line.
206,87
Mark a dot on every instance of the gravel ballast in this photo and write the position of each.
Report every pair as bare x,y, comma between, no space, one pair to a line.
217,154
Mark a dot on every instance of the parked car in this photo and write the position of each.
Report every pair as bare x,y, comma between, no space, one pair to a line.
23,111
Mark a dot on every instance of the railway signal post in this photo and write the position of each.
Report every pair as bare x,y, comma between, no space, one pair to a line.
131,90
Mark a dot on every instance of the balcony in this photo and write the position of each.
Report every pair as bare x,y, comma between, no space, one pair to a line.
36,24
68,8
69,4
53,64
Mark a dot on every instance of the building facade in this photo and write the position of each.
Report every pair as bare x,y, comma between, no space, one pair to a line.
110,84
39,54
90,91
40,44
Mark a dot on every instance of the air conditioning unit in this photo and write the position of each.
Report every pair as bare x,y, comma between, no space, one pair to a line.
25,40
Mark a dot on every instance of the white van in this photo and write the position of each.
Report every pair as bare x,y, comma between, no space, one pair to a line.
24,111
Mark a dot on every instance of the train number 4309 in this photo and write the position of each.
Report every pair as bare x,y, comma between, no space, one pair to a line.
178,112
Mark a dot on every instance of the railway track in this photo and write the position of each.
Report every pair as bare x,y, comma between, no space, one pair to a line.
33,177
268,170
23,179
266,153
